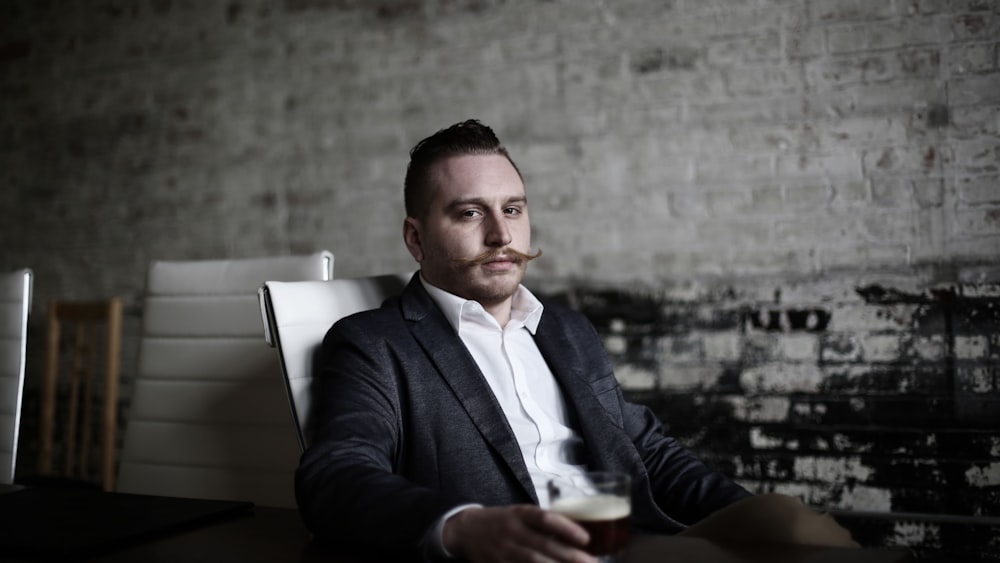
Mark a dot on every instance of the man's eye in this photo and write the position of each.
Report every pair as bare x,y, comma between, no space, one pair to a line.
470,213
512,211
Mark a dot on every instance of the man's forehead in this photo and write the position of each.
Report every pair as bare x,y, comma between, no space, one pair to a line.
485,201
484,177
474,164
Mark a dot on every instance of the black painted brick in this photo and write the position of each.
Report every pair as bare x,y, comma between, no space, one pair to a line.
903,377
907,428
950,542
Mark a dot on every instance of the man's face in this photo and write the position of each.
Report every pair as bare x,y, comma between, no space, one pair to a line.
477,207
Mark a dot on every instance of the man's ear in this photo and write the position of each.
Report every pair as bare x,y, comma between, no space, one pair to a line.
411,237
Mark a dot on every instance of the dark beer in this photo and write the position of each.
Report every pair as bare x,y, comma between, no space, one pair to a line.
605,517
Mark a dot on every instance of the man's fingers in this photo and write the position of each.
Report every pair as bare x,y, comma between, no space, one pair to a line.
516,533
564,528
562,551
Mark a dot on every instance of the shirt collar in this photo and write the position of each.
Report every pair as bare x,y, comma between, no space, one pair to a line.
525,307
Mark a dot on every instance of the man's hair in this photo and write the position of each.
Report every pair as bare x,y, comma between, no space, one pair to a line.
469,137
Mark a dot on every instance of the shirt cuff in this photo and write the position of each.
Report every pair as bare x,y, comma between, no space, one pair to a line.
434,541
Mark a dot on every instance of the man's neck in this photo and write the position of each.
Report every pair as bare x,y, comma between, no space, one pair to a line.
500,311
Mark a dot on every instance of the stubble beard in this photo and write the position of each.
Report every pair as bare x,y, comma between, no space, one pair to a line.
491,288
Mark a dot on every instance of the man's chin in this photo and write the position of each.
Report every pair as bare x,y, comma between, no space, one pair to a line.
496,287
512,275
501,269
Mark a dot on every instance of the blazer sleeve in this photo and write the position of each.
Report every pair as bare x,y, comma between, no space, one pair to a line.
345,485
682,486
678,489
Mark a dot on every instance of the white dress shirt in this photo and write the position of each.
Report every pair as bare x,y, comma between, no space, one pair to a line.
522,383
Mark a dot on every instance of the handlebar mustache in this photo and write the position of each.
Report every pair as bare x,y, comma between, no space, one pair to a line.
491,255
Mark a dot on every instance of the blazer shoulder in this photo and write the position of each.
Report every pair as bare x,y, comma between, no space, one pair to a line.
411,306
557,306
559,314
384,319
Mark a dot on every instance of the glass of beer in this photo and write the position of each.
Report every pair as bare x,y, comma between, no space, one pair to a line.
601,502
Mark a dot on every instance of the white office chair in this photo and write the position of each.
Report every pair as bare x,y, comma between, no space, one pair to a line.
208,416
15,304
297,316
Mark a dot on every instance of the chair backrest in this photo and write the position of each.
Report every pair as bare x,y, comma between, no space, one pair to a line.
15,304
208,416
82,363
297,316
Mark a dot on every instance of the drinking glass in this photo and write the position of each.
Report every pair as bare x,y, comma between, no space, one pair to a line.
601,502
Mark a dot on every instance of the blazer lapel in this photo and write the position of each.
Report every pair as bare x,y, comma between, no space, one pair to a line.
608,447
456,366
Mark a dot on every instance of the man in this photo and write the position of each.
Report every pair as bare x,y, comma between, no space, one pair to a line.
440,416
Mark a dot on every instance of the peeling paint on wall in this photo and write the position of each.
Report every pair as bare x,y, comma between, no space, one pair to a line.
890,404
984,476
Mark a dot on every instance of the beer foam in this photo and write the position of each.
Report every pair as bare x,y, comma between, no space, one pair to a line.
597,507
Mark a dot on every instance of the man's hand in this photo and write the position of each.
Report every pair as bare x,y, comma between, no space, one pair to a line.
515,533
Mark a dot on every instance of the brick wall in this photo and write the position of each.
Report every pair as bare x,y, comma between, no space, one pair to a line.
851,394
784,215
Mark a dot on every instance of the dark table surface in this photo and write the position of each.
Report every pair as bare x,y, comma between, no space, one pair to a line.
275,534
264,534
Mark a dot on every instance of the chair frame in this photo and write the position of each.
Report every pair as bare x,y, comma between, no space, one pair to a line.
207,418
86,318
383,286
273,340
8,473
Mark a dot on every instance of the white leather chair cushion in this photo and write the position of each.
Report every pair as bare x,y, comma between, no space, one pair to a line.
15,304
209,414
218,315
238,276
297,316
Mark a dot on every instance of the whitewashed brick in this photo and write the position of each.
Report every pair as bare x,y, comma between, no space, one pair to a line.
634,378
799,347
978,380
863,317
979,189
761,441
760,409
686,377
982,220
721,347
916,533
974,121
881,348
861,497
845,166
841,348
781,378
823,11
928,348
977,25
834,470
807,196
979,89
971,347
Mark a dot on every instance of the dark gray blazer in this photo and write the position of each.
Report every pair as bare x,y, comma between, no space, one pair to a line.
406,427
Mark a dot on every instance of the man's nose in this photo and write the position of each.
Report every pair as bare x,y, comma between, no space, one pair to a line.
498,233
